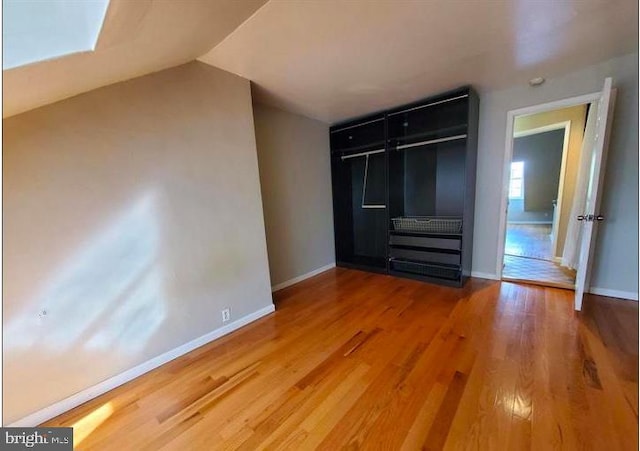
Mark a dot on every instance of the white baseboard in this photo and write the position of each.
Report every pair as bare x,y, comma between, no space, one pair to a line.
630,295
295,280
614,293
484,275
69,403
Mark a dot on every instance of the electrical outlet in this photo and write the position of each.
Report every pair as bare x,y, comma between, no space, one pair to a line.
226,315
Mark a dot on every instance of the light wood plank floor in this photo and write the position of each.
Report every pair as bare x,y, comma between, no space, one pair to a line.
352,360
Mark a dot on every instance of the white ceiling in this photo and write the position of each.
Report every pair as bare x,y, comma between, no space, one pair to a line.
138,37
336,59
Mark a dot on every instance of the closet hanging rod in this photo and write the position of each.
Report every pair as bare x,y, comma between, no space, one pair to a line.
374,206
431,141
361,154
357,125
430,104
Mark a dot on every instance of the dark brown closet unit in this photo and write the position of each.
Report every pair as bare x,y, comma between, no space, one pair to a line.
404,189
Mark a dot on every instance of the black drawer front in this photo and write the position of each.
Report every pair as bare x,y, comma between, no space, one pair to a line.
367,136
425,241
433,257
422,269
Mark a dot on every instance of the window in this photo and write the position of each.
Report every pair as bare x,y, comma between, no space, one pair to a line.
38,30
516,181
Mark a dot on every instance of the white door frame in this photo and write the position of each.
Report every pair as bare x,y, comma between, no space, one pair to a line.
566,125
508,155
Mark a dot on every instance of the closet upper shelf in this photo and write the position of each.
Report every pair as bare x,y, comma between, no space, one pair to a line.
357,137
439,135
434,120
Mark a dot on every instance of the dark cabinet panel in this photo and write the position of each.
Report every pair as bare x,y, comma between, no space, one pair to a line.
419,176
451,177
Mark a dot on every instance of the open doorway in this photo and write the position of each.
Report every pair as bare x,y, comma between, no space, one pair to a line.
584,211
546,150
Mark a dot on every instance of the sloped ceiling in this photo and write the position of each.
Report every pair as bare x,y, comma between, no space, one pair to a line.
336,59
138,37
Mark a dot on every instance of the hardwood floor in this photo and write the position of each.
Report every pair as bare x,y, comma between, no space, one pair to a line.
357,360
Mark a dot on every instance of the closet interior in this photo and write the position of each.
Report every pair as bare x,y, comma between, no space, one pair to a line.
404,189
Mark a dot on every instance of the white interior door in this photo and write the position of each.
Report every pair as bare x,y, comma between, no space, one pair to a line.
591,216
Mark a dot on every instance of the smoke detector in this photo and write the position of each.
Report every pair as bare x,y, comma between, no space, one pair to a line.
537,81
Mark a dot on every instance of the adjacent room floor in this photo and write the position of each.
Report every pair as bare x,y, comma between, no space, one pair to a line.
531,269
528,256
359,360
529,240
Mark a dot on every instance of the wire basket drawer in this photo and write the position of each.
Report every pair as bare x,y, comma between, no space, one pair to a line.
430,224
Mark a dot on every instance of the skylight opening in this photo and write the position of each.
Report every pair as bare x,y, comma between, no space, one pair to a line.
39,30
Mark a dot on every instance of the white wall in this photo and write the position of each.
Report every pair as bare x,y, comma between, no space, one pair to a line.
132,215
616,258
295,175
